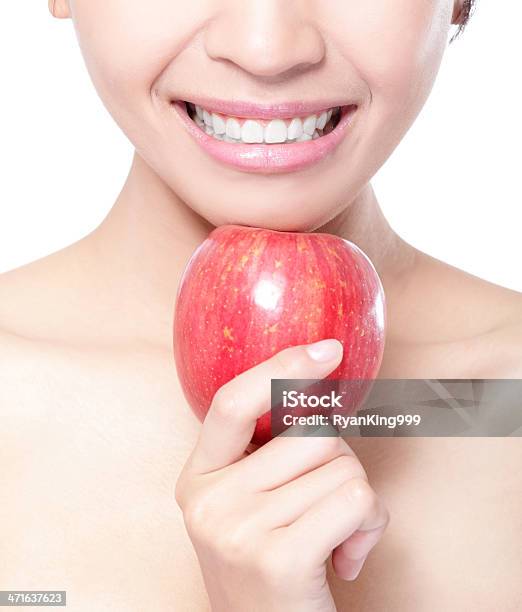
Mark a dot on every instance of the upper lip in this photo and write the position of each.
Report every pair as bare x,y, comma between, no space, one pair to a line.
280,110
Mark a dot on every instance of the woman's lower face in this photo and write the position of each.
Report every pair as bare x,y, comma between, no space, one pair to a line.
264,113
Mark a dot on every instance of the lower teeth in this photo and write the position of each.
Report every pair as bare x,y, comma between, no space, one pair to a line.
223,137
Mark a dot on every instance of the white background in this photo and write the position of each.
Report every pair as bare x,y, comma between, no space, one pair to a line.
452,188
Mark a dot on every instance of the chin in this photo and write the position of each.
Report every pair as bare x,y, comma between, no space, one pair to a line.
273,224
284,219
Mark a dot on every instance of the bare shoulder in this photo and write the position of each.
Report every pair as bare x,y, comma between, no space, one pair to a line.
26,377
14,350
473,303
498,348
504,348
449,323
34,303
67,297
34,296
27,294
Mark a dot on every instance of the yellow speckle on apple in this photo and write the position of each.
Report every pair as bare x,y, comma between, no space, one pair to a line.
227,333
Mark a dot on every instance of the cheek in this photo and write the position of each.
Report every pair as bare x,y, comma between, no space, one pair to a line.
396,48
126,44
398,43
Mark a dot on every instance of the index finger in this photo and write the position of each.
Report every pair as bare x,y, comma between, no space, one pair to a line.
231,419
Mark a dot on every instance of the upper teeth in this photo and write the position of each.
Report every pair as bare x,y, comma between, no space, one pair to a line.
234,129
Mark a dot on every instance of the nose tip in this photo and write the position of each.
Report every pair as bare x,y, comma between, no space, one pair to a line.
265,39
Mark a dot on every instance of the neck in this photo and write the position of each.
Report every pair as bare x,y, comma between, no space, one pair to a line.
363,223
149,234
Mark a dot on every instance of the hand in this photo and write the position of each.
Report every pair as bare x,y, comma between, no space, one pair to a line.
264,524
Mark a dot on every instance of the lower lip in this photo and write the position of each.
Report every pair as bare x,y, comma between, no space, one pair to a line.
273,158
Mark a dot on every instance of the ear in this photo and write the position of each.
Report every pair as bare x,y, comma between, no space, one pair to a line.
59,8
458,12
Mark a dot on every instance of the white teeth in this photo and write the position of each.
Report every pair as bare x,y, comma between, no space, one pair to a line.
218,124
233,129
309,125
295,129
252,132
207,118
276,131
321,122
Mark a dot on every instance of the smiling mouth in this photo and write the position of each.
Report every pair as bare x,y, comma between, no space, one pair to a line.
287,130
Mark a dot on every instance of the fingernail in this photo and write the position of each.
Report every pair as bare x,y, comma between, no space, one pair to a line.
325,350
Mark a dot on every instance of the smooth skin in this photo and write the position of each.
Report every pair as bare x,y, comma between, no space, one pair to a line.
96,433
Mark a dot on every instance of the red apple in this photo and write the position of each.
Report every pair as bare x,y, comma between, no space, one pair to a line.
247,293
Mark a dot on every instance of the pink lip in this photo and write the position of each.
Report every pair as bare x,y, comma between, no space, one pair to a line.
267,158
250,110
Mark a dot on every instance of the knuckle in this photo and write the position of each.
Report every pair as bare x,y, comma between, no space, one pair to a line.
361,492
289,363
196,516
233,544
179,491
224,404
199,513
